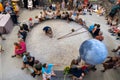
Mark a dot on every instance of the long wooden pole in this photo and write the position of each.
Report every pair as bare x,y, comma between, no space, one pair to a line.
69,33
73,34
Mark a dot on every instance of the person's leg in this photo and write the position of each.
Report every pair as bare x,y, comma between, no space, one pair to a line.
53,73
24,65
105,65
115,50
2,37
44,77
1,50
14,18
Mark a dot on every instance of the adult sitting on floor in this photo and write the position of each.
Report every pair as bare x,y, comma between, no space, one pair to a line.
22,33
20,48
31,61
25,27
109,64
37,68
76,70
25,60
48,31
96,30
47,71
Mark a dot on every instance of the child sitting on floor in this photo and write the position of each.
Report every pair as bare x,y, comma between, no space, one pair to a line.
30,4
36,20
31,24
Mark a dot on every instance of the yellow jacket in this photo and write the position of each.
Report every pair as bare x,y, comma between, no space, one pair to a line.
1,7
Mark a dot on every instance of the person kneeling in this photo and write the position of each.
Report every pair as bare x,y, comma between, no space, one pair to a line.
48,31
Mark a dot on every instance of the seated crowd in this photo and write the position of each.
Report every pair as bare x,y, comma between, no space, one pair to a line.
54,12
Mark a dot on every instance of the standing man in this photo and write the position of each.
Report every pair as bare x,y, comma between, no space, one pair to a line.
9,9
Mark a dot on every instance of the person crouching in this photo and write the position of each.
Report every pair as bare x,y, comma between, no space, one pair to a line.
48,31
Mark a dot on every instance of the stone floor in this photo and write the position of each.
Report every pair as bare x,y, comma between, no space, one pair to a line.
53,50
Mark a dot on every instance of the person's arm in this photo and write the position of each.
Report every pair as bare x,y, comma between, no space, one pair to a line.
94,30
56,65
118,48
43,71
109,57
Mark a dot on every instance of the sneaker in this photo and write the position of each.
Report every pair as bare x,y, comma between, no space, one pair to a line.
117,38
3,39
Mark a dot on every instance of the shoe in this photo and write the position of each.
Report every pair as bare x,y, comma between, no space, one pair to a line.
113,34
102,70
33,75
22,68
117,38
3,39
13,56
113,50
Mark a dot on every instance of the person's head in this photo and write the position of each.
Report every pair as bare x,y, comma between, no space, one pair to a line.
74,62
21,28
16,44
57,3
40,12
29,58
67,13
23,25
98,25
36,17
95,24
58,10
27,54
20,40
37,62
6,3
45,65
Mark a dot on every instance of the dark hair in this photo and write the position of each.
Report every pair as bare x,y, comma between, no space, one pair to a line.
67,13
29,57
95,24
15,43
44,65
74,62
27,54
21,28
98,25
40,12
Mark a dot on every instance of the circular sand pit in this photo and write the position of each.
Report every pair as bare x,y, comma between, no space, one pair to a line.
52,50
